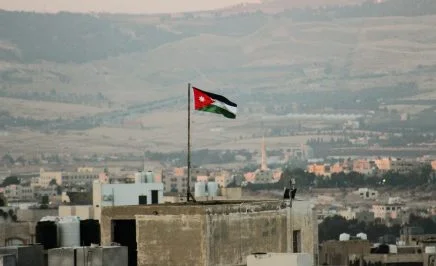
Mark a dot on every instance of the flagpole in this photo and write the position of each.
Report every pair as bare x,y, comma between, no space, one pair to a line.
188,193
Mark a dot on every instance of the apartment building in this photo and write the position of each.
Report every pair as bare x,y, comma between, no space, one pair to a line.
81,176
387,211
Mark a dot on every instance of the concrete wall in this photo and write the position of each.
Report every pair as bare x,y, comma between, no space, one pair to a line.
34,215
8,260
280,259
336,252
234,193
232,237
213,234
24,231
26,255
84,212
61,257
174,240
304,218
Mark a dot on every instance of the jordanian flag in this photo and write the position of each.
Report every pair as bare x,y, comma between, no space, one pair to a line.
214,103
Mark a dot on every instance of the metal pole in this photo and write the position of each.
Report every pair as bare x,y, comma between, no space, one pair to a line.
188,193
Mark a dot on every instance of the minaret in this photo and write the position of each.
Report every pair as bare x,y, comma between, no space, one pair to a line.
263,164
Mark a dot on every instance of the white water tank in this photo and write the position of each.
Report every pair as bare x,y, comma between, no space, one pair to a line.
362,236
430,250
69,231
393,249
401,243
49,219
200,189
212,189
344,237
149,177
140,177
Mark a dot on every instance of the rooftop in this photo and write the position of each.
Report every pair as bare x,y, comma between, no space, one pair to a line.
192,208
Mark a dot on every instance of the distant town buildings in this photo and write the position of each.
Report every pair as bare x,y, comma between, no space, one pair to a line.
367,194
387,211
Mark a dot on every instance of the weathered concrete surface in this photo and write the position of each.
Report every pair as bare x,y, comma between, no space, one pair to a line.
280,259
234,236
213,234
101,256
171,240
26,255
8,260
23,232
61,257
34,215
334,252
304,218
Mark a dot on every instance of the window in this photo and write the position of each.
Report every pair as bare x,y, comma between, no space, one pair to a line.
296,241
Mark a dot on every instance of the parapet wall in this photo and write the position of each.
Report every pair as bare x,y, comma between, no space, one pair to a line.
220,233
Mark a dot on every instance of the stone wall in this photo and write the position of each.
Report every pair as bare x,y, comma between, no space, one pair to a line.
213,234
24,232
34,215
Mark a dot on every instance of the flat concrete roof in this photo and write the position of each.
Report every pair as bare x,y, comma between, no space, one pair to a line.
191,208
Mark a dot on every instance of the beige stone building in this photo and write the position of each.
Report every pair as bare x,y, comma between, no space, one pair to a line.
210,233
81,176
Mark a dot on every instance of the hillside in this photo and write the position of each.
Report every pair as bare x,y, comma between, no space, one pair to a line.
121,79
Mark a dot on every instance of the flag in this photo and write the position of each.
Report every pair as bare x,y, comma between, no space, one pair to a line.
214,103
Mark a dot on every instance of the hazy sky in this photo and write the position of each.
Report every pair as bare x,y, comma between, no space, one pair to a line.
118,6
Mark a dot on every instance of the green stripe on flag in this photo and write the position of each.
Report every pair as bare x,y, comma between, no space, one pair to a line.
218,110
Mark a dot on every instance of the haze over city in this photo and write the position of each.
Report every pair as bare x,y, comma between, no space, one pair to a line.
119,6
152,134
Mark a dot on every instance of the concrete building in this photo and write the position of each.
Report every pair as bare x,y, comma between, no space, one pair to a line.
21,233
125,194
81,176
18,193
387,211
34,215
280,259
334,252
25,255
367,194
392,259
176,180
319,169
84,212
210,233
84,256
397,165
364,166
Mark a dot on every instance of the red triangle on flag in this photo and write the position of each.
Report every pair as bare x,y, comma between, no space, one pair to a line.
201,99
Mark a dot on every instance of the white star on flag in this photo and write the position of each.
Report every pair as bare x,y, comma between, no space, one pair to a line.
201,99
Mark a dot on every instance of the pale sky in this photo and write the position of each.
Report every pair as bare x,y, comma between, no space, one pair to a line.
118,6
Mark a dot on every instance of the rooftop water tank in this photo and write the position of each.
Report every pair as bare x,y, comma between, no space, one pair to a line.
47,234
393,249
200,189
362,236
149,177
140,177
344,237
212,189
430,250
50,219
69,231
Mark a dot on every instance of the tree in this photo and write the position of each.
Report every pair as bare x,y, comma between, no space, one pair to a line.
10,180
52,182
7,158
